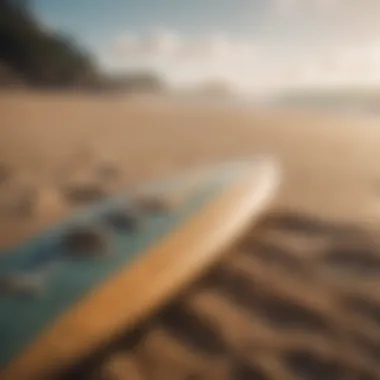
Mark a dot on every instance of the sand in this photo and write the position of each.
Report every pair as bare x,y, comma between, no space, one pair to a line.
330,163
298,298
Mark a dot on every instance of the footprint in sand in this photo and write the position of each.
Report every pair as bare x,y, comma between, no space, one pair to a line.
5,173
84,183
17,201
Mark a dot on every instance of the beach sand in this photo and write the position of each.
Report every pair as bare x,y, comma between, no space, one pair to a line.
330,163
328,203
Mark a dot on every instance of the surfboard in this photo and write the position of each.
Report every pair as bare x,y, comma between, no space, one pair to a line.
66,291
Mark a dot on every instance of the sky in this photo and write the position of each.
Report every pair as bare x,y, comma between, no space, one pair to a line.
255,45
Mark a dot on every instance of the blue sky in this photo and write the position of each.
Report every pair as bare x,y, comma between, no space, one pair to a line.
245,40
98,21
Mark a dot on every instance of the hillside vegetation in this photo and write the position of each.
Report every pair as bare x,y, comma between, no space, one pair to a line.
32,56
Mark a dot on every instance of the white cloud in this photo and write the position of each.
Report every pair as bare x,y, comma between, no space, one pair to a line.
172,48
162,42
124,46
157,44
296,7
288,6
248,64
285,7
337,20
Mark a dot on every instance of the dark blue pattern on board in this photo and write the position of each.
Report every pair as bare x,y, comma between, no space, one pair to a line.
22,319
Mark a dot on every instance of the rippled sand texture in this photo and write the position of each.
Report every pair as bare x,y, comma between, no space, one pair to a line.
297,299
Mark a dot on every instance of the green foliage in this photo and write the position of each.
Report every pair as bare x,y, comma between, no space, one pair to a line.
40,58
32,56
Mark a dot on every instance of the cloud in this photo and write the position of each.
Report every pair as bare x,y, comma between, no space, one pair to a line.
299,7
159,43
333,20
285,7
172,48
162,42
248,64
290,6
184,59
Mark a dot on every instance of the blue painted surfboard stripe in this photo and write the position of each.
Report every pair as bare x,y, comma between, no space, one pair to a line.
22,320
